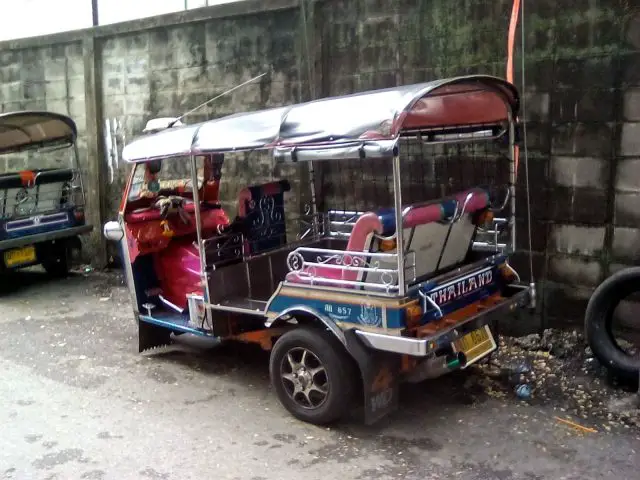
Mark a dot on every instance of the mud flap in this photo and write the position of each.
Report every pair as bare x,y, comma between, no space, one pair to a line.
380,373
152,336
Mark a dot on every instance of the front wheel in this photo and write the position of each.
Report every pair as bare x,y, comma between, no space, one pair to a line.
599,323
310,372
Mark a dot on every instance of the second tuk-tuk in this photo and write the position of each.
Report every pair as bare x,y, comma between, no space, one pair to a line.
42,196
396,277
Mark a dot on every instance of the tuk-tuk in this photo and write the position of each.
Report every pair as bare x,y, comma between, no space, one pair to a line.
41,191
349,297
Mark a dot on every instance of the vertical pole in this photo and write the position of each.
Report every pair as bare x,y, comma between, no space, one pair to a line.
93,163
397,200
196,204
94,12
512,180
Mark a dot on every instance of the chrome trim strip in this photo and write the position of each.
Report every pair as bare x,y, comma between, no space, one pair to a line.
337,331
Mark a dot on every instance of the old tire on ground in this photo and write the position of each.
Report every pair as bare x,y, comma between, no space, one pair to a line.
311,373
599,322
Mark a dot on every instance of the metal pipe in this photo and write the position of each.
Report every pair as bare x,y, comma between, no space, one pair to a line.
512,180
196,204
397,197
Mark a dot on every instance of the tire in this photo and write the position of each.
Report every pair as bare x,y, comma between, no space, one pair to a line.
599,318
57,263
323,350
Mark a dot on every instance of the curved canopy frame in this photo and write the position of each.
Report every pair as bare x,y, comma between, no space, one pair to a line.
34,129
363,124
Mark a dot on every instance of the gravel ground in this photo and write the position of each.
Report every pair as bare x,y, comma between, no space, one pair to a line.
79,402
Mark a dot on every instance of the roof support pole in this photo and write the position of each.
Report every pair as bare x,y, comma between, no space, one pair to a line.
397,200
92,165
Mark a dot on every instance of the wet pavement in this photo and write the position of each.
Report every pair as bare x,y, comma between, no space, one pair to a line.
79,402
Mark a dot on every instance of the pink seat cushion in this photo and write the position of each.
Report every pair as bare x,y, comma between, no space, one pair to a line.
479,199
424,214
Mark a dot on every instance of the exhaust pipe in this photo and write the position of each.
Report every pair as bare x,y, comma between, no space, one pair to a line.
436,367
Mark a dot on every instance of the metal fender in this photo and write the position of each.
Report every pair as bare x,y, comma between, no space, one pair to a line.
291,312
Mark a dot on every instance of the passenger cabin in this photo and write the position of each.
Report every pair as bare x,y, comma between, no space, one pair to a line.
241,253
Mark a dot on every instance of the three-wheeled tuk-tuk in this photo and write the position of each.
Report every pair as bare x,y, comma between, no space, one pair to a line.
41,191
395,277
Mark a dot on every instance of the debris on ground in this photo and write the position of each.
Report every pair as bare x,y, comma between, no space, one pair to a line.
557,367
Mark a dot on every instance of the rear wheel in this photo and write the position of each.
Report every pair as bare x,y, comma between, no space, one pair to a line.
57,260
310,372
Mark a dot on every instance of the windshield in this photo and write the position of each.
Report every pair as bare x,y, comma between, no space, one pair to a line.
171,177
60,157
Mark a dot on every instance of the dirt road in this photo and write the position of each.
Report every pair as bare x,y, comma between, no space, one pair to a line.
79,402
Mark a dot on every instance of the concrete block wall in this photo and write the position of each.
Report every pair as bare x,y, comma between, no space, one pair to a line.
168,70
582,110
43,78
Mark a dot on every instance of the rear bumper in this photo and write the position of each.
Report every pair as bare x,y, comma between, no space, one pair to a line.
44,237
421,347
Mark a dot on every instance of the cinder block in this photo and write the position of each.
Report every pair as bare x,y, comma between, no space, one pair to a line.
75,66
136,84
136,104
577,240
113,66
631,68
537,106
137,64
10,73
590,105
579,171
56,89
581,139
632,105
34,90
137,43
193,78
76,86
626,243
113,105
57,105
77,108
11,92
113,85
565,304
578,205
628,175
574,270
163,80
627,211
630,142
55,69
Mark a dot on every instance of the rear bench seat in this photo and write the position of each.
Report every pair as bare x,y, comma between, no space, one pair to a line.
439,244
428,233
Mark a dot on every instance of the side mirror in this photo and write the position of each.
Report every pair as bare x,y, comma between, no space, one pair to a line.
113,231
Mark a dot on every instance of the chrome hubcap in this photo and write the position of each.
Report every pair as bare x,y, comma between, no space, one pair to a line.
304,378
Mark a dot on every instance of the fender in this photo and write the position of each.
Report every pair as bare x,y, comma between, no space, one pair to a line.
291,311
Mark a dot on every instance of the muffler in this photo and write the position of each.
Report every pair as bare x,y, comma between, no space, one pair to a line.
436,367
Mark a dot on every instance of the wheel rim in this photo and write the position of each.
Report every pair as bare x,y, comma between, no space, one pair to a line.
304,378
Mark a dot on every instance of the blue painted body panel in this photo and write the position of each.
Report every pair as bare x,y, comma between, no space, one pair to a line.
357,308
174,321
43,227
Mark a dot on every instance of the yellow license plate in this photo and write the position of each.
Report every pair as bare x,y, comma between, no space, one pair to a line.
476,344
20,256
